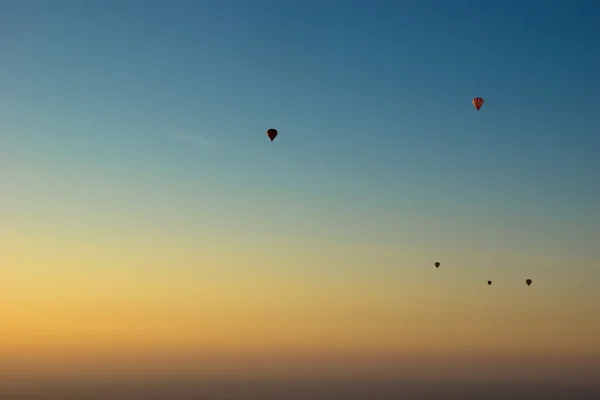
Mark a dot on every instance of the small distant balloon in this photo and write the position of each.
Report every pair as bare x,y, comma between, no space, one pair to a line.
489,283
437,264
478,102
528,281
272,134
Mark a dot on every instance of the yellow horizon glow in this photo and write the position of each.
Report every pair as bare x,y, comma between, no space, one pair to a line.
175,303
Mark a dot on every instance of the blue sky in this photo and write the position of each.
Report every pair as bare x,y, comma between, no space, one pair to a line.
142,204
372,101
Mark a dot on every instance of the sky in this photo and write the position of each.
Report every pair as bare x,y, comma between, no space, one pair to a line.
148,225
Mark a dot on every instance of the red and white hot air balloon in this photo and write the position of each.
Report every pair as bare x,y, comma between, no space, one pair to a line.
477,102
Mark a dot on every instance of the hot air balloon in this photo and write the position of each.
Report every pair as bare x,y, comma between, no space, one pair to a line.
272,134
477,102
437,264
528,281
490,283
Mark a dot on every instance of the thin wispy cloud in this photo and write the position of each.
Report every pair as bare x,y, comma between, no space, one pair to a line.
269,237
193,138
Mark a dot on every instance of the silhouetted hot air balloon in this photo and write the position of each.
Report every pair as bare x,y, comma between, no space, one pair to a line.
272,134
489,283
528,281
477,102
437,264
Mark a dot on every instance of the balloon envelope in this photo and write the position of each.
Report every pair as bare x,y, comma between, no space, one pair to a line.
477,102
489,282
528,281
272,134
437,264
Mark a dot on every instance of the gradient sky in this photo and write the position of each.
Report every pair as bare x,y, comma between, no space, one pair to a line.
143,210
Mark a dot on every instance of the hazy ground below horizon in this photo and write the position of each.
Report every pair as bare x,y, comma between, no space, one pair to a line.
291,389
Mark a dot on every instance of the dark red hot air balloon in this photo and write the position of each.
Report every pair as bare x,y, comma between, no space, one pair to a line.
272,134
477,102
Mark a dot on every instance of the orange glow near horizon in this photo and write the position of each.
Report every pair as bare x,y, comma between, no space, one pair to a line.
104,306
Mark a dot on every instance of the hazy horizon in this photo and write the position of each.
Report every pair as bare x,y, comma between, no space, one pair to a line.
295,389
